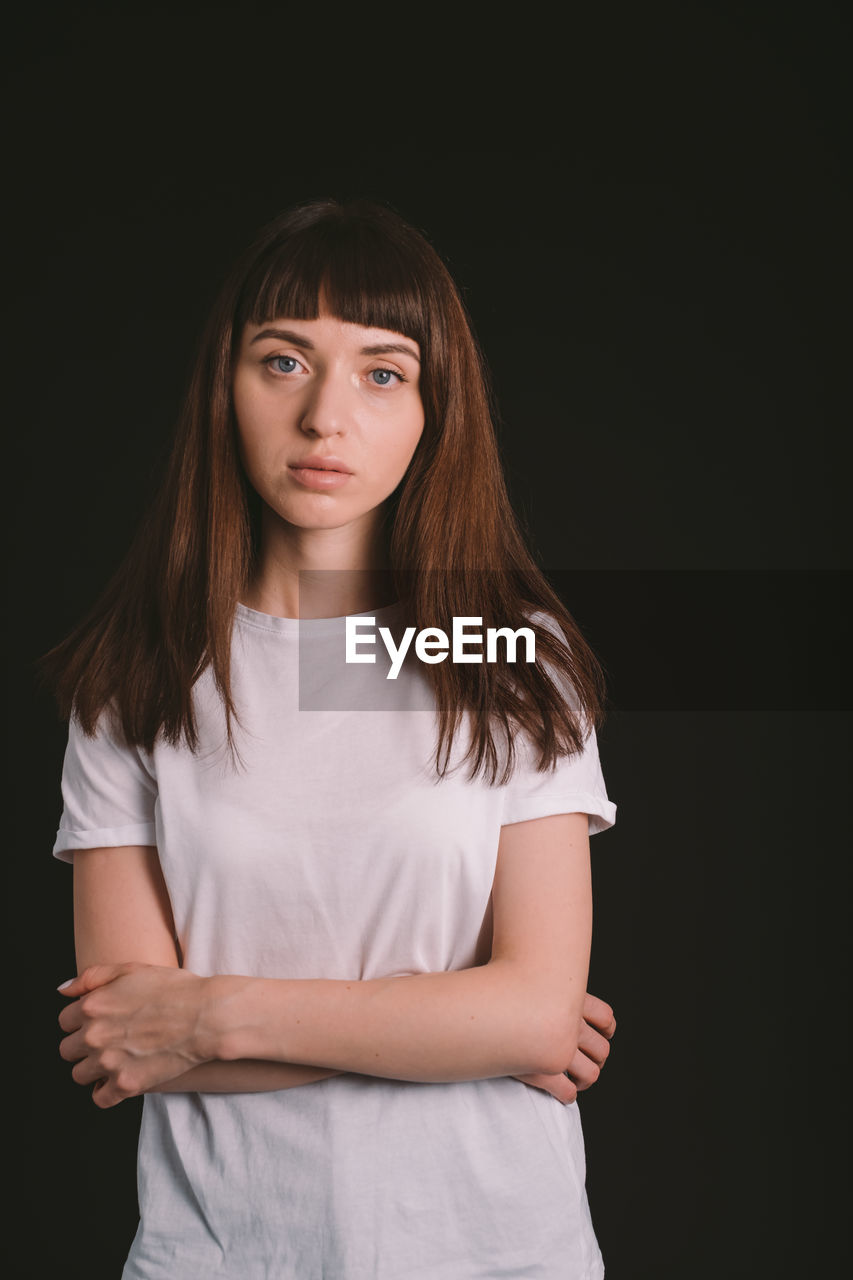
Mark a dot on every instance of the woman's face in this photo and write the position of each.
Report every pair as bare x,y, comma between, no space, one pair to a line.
328,414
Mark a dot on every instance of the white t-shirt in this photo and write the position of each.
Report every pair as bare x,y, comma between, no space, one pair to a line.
333,852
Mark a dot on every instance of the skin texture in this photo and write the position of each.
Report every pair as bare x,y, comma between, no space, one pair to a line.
137,1022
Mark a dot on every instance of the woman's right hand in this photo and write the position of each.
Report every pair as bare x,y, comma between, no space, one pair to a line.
597,1030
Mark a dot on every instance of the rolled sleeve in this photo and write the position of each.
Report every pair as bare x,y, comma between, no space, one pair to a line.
109,792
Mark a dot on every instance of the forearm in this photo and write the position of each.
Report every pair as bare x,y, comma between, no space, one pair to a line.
134,1026
244,1076
493,1020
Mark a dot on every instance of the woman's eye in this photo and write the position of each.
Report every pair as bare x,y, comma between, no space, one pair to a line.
382,377
282,364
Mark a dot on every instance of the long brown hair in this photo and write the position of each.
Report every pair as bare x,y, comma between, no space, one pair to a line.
456,548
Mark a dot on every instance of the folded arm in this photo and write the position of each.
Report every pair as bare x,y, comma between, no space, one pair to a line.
520,1012
122,914
160,1027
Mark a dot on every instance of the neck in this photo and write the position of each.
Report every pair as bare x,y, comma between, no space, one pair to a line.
320,573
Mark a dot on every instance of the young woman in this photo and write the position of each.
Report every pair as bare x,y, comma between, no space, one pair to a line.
334,925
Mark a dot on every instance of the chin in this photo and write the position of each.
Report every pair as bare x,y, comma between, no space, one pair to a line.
319,518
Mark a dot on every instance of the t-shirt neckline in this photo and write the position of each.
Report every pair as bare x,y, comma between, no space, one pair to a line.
308,626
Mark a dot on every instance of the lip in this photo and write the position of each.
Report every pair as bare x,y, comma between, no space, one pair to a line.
317,472
321,462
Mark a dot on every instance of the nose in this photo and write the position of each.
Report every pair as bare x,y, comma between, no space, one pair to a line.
325,410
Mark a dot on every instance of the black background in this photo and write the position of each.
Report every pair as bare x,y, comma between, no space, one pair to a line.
647,210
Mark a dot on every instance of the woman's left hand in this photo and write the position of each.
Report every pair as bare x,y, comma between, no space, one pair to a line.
593,1050
132,1027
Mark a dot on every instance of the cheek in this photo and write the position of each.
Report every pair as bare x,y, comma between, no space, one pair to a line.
258,464
246,446
405,441
254,437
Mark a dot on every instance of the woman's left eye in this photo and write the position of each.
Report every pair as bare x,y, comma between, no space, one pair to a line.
382,377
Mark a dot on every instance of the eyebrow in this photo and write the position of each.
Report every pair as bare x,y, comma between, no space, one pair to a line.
286,335
381,348
298,340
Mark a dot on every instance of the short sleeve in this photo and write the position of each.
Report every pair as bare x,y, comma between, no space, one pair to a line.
108,793
575,785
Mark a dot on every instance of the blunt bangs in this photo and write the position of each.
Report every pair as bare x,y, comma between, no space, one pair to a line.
370,269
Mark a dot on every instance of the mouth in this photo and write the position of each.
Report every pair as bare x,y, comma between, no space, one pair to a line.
317,463
320,473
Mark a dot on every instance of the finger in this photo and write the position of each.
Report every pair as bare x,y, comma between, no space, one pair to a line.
599,1014
559,1086
101,1095
583,1071
72,1048
71,1017
593,1044
96,975
107,1093
87,1071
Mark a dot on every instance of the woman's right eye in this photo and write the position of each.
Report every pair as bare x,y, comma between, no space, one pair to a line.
282,364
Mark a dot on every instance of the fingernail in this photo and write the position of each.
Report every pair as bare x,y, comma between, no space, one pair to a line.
63,985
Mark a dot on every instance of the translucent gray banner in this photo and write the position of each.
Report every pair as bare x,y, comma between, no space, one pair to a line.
715,640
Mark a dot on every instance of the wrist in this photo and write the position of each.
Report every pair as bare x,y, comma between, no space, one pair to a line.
218,1034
